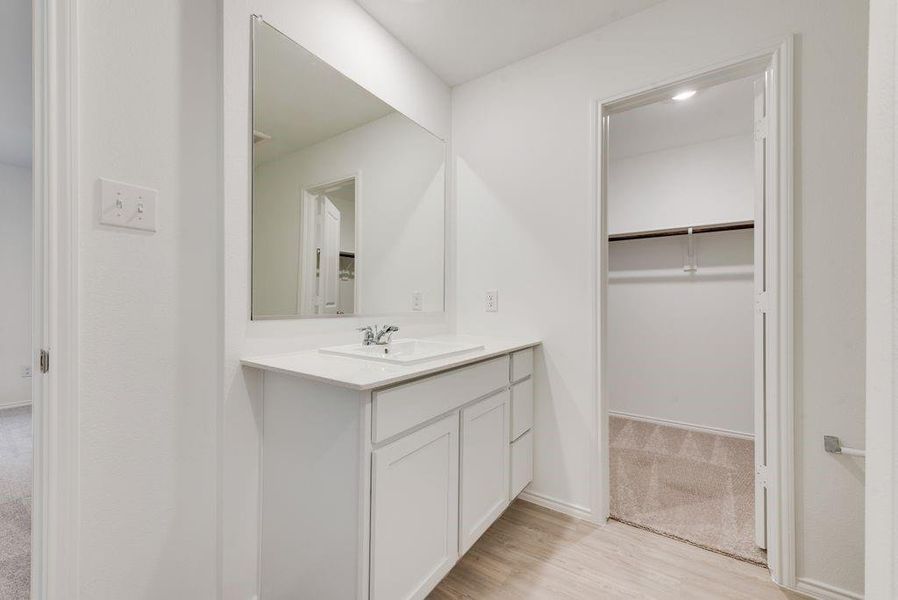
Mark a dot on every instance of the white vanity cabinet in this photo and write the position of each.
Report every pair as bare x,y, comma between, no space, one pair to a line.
414,511
521,420
373,492
485,466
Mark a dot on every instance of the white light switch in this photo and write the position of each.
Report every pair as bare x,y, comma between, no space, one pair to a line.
417,301
126,205
492,301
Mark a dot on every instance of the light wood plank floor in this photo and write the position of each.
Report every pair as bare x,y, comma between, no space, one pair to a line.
532,552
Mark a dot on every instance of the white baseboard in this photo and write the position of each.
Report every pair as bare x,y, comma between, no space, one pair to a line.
681,425
824,591
15,404
566,508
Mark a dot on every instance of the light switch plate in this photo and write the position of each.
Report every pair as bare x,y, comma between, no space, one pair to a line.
417,301
492,301
126,205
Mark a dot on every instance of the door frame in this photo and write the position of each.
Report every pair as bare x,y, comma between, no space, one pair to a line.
55,506
307,207
780,407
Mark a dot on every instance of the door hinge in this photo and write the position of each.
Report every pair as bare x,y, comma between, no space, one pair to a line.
761,475
45,360
762,302
761,129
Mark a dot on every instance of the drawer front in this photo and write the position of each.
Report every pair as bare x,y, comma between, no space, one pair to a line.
521,364
521,463
521,408
403,407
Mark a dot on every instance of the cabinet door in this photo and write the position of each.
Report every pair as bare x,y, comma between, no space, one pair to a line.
485,465
414,512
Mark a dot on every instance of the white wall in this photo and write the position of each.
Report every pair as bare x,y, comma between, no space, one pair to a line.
15,276
707,182
401,207
680,345
345,36
149,304
522,143
882,308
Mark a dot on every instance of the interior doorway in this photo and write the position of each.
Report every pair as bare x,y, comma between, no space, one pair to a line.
328,249
693,307
16,300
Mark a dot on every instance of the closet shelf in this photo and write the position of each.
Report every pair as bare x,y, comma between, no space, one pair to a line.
656,233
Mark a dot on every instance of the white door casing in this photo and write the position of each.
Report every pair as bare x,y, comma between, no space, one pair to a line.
760,396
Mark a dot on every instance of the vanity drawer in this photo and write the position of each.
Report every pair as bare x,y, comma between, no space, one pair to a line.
521,364
521,463
405,406
521,407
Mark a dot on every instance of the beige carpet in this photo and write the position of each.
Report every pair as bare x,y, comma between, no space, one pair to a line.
15,503
694,486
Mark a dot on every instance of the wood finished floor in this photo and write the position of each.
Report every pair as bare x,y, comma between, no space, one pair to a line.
532,552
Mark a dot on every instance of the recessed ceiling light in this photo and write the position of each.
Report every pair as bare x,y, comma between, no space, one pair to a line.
685,95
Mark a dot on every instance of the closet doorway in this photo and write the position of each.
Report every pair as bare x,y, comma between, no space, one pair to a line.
693,310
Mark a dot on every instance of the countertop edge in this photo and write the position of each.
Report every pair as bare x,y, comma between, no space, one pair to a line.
260,362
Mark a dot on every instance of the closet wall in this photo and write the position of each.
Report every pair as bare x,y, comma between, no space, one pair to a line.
681,343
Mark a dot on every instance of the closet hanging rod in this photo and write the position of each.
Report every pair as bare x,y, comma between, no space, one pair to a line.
657,233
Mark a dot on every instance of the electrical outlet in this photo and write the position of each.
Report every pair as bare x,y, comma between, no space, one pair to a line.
417,301
492,301
126,205
26,371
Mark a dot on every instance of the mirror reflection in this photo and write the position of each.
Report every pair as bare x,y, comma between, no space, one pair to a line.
348,194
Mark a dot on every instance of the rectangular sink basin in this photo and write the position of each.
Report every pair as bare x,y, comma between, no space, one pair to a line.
403,352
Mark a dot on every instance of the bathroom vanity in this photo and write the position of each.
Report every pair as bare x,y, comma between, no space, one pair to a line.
377,476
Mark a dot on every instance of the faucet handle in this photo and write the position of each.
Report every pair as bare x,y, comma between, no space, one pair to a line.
368,337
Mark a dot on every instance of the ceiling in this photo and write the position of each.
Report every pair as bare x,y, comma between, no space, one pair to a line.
15,82
461,40
300,100
716,112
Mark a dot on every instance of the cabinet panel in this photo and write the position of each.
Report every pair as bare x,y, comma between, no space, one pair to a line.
521,463
403,407
484,466
521,364
414,522
521,408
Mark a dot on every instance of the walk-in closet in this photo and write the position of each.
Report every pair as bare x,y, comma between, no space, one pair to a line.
682,176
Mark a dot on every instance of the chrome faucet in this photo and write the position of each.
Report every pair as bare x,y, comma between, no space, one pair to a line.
387,332
376,335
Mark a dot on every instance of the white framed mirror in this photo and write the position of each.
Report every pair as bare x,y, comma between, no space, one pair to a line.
348,210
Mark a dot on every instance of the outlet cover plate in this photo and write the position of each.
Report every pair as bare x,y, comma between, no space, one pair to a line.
126,205
492,301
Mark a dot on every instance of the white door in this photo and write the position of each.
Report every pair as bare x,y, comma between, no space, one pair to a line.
328,257
485,466
414,512
760,318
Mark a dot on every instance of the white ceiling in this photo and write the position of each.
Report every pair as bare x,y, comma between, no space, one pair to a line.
463,39
716,112
300,100
15,82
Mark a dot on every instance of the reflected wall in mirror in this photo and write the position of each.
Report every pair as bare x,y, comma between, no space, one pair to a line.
348,194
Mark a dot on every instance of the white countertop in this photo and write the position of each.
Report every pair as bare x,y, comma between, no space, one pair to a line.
361,374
